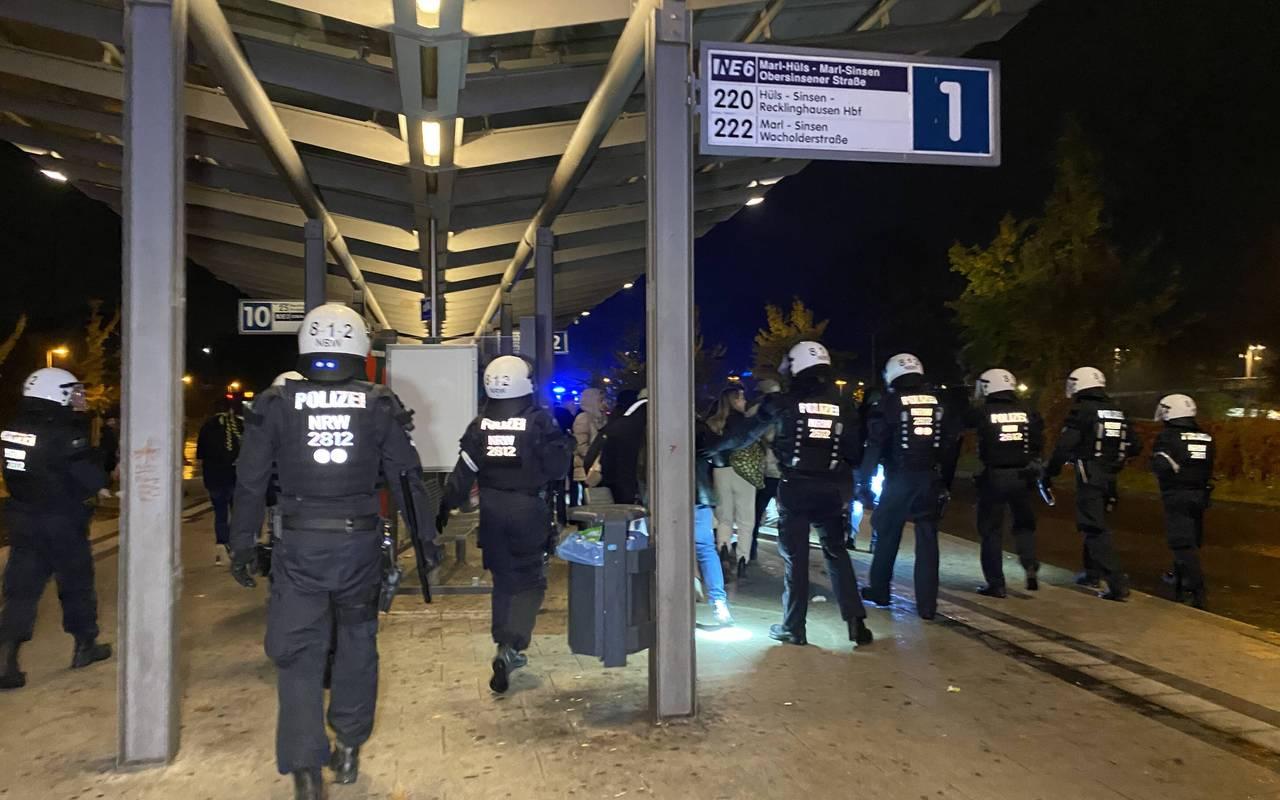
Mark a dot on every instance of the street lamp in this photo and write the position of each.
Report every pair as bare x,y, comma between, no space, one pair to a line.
1251,355
61,351
234,386
187,379
840,384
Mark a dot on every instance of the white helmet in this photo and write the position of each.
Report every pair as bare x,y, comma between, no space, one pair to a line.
1084,378
1175,406
291,375
802,356
333,329
995,380
53,384
507,377
899,365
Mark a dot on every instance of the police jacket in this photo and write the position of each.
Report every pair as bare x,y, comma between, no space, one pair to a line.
818,434
1182,457
512,446
1097,437
909,431
1010,433
329,444
49,465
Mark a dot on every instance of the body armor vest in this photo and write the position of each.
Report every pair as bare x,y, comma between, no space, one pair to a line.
330,446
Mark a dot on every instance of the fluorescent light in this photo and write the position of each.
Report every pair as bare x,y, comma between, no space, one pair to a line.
753,184
429,13
586,313
429,6
431,141
54,175
755,201
768,181
628,285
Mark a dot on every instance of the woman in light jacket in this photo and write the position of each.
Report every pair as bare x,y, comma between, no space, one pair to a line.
586,427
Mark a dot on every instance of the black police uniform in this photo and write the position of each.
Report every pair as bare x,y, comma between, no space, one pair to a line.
1096,439
906,432
1182,460
817,444
329,442
514,450
1010,443
51,471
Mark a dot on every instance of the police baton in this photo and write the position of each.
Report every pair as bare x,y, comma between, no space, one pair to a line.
415,535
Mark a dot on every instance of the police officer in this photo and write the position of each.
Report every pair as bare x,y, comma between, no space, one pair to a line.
1097,439
514,449
329,438
817,443
51,471
1010,443
905,432
1182,460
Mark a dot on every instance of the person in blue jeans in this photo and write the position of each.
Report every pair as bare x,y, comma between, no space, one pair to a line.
708,445
217,447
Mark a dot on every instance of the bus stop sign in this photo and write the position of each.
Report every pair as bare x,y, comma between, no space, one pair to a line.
791,102
271,316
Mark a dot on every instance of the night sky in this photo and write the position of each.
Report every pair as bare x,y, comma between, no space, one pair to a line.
1179,102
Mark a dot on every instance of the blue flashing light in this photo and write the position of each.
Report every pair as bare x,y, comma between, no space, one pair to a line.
746,373
557,389
324,364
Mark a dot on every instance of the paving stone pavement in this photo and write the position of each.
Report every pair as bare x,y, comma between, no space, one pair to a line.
1038,697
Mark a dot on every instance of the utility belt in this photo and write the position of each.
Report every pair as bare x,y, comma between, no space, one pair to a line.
540,492
300,522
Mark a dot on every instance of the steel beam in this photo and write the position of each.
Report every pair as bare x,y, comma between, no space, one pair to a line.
620,78
544,310
214,37
154,319
314,280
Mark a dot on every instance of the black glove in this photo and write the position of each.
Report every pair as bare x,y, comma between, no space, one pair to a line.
442,516
944,497
244,565
866,497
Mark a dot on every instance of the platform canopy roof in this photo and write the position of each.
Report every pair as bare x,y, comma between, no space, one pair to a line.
407,111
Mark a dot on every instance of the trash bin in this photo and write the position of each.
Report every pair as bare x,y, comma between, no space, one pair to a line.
611,567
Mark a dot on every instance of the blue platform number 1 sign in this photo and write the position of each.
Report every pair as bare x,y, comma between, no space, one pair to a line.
952,110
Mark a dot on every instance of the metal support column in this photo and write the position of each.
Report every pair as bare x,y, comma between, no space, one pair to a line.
432,282
154,317
544,250
316,268
506,319
670,348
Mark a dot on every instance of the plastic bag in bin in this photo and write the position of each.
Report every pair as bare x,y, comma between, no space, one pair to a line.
586,546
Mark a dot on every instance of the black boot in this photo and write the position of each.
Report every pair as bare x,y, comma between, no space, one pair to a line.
993,591
88,651
860,634
871,598
12,677
1117,589
1198,598
345,763
1033,578
742,568
308,784
781,634
507,661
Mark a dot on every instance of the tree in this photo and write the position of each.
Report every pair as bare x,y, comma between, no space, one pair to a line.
6,347
1054,292
782,330
99,369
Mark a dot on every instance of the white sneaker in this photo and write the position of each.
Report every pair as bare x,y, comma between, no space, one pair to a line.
721,611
